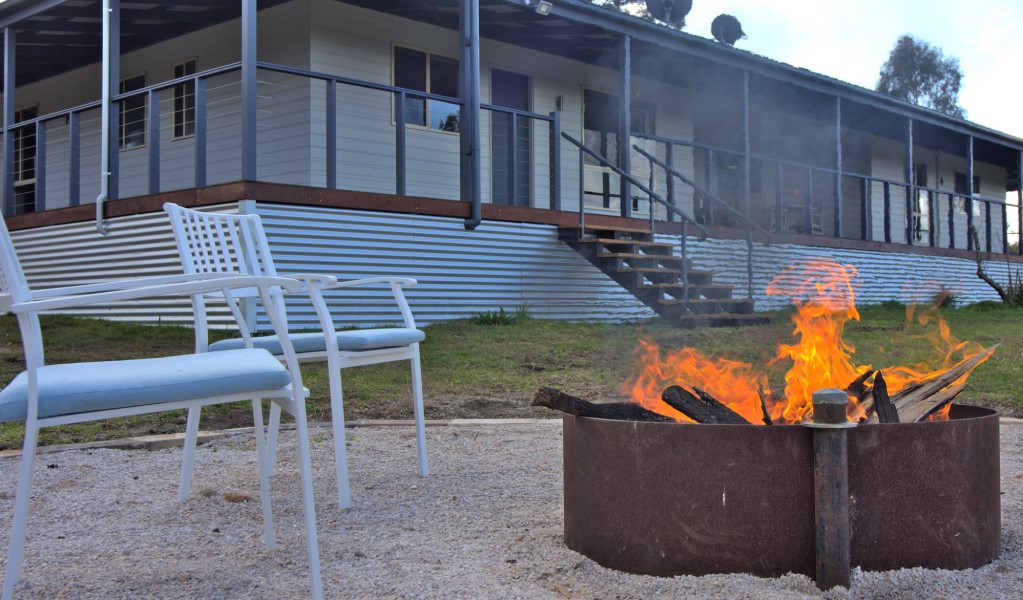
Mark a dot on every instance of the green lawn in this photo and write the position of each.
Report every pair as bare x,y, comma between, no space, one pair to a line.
492,367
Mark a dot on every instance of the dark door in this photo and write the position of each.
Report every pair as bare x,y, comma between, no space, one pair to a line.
510,150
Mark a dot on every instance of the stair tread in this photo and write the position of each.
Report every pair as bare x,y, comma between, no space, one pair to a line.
702,286
607,228
638,256
616,242
706,301
648,270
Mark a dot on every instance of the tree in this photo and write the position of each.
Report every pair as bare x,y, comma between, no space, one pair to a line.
673,16
920,73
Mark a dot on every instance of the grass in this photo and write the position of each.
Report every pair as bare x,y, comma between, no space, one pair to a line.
490,365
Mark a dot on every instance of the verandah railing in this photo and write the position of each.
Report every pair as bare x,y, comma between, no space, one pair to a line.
65,165
910,214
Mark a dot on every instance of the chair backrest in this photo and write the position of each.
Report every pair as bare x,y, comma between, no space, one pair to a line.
12,279
220,243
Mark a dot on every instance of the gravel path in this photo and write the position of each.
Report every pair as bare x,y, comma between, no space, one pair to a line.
486,524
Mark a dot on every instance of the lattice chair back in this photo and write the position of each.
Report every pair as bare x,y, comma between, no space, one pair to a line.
221,244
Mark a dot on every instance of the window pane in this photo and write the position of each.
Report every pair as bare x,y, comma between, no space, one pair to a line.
444,76
410,69
133,114
444,115
410,72
415,111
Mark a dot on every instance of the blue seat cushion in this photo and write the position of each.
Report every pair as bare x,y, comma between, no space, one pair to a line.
347,341
85,387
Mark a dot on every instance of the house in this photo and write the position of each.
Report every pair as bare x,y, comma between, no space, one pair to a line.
478,146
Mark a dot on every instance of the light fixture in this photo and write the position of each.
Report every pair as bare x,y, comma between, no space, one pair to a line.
542,7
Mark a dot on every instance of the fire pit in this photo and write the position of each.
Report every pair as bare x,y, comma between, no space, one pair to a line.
847,466
681,499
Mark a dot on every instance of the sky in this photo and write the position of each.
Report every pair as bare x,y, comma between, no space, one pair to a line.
850,41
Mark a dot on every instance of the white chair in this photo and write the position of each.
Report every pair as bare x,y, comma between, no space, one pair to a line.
47,395
228,243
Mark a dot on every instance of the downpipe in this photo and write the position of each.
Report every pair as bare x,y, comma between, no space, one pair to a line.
104,169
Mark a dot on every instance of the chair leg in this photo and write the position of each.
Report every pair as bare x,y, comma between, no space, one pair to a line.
15,553
188,453
264,473
305,464
274,429
417,402
337,413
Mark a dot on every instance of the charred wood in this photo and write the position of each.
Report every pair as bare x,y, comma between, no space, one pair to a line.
622,411
701,406
763,406
883,407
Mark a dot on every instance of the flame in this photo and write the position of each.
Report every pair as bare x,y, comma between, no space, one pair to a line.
824,299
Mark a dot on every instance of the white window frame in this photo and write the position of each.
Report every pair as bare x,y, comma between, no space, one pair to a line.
429,62
186,97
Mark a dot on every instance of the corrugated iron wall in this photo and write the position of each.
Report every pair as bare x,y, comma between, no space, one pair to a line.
499,265
880,276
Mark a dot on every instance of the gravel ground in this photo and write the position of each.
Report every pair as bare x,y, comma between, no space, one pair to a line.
486,524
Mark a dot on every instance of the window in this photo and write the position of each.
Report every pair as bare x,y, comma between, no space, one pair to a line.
184,100
960,188
430,73
132,115
25,161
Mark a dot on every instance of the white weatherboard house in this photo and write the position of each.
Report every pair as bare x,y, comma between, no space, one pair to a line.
582,163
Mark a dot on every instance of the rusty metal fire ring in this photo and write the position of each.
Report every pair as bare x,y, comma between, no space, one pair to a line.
677,499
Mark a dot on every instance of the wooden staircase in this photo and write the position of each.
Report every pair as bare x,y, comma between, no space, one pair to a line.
653,273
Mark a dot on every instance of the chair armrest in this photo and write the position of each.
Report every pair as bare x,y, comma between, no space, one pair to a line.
313,280
400,281
124,284
147,288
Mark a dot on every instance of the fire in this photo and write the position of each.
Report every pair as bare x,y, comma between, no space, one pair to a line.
822,293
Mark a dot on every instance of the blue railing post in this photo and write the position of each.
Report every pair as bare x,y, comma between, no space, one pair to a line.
951,221
513,148
331,157
154,141
74,159
40,187
968,203
555,160
930,218
399,146
669,183
582,194
887,212
987,224
200,132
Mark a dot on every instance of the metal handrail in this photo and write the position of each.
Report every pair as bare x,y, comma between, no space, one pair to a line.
636,182
653,196
750,225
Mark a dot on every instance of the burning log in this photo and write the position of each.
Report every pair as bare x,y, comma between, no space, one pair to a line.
622,411
701,406
916,402
883,407
763,406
